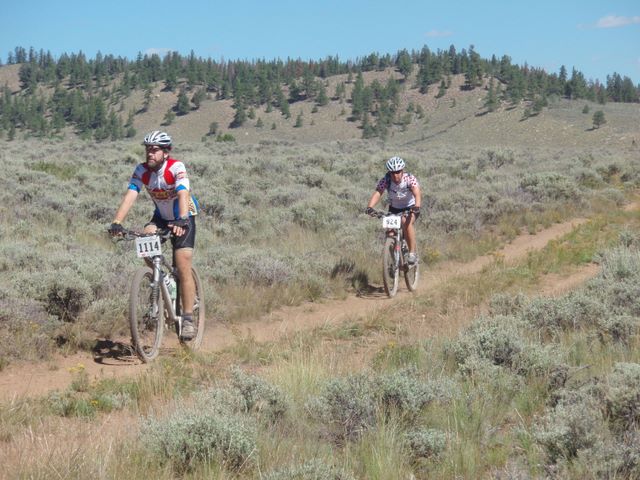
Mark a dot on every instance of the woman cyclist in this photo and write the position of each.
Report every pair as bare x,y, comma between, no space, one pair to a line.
404,195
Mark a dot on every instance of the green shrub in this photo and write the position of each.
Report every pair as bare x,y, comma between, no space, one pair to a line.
347,406
226,137
404,391
266,269
506,304
311,470
425,443
191,436
260,396
574,311
618,328
575,424
622,396
495,339
221,400
549,186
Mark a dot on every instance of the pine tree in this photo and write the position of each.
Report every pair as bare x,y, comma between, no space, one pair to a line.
182,106
198,97
358,98
169,117
598,119
240,116
171,80
341,92
473,73
283,104
404,64
322,99
491,100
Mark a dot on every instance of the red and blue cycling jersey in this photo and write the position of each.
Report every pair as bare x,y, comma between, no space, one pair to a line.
163,186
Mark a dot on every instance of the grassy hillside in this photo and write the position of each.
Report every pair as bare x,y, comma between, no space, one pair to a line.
458,117
534,388
282,217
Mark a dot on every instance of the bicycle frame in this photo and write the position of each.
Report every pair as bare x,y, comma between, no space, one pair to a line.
159,286
400,242
158,279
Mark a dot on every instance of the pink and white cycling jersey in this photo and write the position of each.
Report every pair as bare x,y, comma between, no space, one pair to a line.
400,194
163,186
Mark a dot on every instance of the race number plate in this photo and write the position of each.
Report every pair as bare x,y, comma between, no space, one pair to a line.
391,221
148,246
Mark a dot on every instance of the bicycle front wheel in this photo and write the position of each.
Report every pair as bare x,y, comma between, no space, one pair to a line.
198,313
145,315
389,267
411,274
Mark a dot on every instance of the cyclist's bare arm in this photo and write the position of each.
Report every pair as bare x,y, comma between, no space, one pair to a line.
128,200
417,194
183,209
375,198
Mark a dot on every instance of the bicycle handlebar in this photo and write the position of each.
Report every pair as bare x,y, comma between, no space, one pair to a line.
164,233
380,213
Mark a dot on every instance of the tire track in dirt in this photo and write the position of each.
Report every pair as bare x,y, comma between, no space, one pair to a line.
37,378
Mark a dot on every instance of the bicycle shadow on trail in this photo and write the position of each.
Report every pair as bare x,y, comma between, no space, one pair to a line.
109,352
371,291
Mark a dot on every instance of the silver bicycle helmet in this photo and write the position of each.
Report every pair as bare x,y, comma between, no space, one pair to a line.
158,138
395,164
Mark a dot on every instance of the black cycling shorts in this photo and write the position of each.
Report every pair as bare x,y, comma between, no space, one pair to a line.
188,240
399,210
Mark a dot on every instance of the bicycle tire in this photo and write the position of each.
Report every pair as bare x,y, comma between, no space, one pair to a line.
411,275
390,272
145,317
198,314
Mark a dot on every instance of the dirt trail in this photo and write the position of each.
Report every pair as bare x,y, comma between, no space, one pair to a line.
31,379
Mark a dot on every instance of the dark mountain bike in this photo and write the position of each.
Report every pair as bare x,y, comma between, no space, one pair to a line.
154,298
395,254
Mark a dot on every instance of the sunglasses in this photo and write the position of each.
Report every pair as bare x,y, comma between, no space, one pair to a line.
152,149
396,172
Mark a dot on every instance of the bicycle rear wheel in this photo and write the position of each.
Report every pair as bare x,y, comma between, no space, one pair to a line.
145,315
390,271
198,314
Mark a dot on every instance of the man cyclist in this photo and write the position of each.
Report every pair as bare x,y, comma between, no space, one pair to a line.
404,195
166,181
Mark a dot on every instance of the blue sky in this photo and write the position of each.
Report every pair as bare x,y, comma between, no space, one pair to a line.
596,37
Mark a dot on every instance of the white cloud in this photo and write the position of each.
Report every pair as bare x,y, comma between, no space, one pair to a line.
438,33
614,21
161,52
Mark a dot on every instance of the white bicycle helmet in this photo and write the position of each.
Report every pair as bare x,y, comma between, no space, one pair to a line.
161,139
395,164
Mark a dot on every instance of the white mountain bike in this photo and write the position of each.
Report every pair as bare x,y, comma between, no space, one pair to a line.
154,300
395,254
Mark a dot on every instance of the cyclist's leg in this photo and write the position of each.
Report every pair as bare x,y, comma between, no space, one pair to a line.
183,258
410,233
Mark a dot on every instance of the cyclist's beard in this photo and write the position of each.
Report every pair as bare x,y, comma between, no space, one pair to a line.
157,166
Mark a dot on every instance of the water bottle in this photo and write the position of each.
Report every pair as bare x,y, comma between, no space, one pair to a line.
170,282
